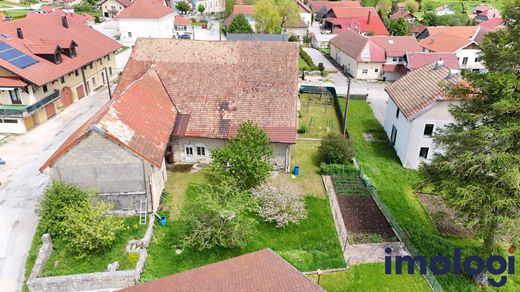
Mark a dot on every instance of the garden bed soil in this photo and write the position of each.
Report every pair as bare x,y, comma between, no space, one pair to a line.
446,220
364,221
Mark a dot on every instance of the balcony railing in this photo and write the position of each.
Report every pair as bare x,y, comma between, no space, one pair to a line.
23,112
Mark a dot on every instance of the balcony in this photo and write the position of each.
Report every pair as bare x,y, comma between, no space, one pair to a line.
21,111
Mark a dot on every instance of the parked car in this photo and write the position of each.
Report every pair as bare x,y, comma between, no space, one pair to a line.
185,37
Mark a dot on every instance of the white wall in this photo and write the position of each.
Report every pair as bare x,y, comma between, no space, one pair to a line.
471,54
10,127
145,28
211,6
307,17
410,135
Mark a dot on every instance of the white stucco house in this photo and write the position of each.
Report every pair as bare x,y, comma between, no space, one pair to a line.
445,10
145,19
417,107
210,6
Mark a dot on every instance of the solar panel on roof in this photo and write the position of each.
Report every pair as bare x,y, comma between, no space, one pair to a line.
15,57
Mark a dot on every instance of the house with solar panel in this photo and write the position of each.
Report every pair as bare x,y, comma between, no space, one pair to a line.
48,62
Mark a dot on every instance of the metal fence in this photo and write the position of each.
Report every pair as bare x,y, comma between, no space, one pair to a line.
400,231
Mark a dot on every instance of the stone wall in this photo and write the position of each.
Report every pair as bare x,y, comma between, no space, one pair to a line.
91,281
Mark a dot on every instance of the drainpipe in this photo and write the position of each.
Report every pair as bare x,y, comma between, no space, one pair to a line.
84,81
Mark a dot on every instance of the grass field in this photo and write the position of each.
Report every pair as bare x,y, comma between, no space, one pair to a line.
305,155
395,186
317,115
311,245
370,277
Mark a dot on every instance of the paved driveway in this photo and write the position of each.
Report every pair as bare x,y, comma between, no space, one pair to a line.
22,184
317,57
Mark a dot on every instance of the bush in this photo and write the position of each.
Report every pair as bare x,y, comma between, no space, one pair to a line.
324,73
217,216
331,169
88,228
307,59
83,8
54,200
133,257
335,149
246,157
293,38
280,203
302,129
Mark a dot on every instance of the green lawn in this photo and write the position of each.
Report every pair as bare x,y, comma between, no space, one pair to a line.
176,186
305,155
62,262
302,65
395,186
310,245
16,13
370,277
468,5
318,115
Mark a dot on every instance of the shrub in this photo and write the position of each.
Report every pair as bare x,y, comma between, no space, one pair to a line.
239,25
307,59
88,228
246,157
133,257
54,200
335,149
280,203
293,38
331,169
217,216
321,67
302,129
324,73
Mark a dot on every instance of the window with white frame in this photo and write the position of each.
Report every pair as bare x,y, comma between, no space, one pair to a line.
201,151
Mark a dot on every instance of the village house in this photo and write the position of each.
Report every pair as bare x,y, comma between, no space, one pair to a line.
247,10
395,48
363,20
145,19
461,40
408,16
262,270
182,24
159,110
372,58
417,107
305,13
112,8
210,6
47,62
485,13
320,8
445,10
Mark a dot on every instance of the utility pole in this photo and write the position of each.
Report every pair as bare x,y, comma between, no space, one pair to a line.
108,83
346,109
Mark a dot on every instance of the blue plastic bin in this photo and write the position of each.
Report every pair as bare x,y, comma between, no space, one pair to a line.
296,170
162,221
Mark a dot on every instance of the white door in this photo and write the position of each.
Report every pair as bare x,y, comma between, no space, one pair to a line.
190,158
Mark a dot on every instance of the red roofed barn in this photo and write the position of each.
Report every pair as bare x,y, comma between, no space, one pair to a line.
48,62
363,20
123,147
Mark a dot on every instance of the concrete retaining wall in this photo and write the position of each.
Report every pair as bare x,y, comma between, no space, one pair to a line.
91,281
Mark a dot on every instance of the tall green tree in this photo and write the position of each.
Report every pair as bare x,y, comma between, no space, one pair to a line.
289,11
430,19
239,25
412,6
479,172
501,49
229,5
385,5
267,17
201,8
246,157
399,27
183,6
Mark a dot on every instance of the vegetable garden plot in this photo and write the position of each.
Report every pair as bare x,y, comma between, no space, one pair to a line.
364,221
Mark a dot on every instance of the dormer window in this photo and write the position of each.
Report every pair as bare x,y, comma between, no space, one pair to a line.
71,50
57,57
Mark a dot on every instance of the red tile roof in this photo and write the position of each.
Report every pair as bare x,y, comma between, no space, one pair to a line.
317,5
179,20
139,117
10,81
416,60
492,24
403,14
240,9
145,9
228,86
92,45
396,45
263,270
420,89
125,3
369,20
359,47
81,18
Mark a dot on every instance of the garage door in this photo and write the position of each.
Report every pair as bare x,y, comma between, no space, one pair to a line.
66,96
80,91
50,110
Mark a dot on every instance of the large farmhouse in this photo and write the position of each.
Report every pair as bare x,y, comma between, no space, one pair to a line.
176,97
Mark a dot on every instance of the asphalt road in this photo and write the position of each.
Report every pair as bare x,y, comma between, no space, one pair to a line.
22,184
